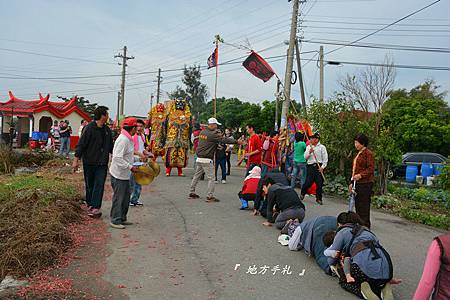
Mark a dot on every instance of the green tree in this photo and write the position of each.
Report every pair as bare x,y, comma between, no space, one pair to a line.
419,119
195,91
82,103
338,125
234,113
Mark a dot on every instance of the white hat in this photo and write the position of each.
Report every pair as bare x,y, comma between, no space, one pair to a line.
283,239
213,121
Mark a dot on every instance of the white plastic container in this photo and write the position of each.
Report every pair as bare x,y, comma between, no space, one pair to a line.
419,179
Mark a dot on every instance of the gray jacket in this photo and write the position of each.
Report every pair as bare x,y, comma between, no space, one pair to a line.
208,141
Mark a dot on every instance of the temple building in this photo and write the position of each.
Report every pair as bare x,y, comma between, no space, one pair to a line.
38,115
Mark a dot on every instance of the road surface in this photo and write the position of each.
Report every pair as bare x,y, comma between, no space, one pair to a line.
180,248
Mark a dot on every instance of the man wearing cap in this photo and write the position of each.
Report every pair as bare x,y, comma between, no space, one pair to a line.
316,161
120,170
208,141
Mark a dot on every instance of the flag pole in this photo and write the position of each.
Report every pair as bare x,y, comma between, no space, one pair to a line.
217,75
217,40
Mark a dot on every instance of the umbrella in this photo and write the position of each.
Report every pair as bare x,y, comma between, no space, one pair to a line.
351,199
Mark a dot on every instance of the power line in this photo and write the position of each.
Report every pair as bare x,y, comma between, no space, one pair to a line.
50,44
371,29
380,46
382,34
417,67
55,56
378,24
384,27
378,18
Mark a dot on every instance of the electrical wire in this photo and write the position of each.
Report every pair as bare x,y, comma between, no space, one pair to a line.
384,27
56,56
380,46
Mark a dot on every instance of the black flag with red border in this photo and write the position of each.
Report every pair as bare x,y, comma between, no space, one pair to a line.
256,65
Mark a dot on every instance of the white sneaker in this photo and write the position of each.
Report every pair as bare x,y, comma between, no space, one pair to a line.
216,181
224,181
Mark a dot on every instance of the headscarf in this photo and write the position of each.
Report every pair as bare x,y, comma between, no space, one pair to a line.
254,173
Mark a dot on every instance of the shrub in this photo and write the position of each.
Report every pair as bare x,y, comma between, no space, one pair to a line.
385,202
6,160
336,186
443,179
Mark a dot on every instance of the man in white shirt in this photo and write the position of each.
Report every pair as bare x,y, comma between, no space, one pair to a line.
120,170
316,161
80,129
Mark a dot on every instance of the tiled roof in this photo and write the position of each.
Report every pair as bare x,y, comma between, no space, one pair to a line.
22,107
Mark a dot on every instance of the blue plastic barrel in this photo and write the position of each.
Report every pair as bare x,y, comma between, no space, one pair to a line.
44,136
411,172
35,135
437,168
426,170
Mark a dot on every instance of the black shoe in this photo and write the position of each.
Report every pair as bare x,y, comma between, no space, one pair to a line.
212,199
193,196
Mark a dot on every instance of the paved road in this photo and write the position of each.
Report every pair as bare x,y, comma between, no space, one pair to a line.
188,249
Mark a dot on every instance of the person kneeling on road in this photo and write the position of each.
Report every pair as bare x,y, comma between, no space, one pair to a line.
286,202
370,264
248,192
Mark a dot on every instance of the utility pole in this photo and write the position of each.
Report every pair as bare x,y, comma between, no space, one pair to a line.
300,76
151,101
321,73
158,89
118,108
289,65
124,67
277,96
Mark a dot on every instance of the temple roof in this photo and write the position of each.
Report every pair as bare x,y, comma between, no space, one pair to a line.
20,107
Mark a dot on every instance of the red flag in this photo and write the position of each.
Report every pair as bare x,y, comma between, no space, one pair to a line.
256,65
213,59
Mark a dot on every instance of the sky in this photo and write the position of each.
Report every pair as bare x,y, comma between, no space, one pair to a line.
43,43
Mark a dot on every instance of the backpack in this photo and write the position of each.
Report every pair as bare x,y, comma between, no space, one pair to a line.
372,245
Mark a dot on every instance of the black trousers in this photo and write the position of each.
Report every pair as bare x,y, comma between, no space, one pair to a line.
313,175
376,285
362,201
94,181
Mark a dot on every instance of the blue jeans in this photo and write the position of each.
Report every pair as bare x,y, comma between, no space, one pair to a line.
135,189
298,169
222,162
266,169
94,181
64,148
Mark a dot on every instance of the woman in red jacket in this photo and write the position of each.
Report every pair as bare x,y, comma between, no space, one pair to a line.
248,192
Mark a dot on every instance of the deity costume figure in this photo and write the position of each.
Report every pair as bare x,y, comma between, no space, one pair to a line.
177,141
158,116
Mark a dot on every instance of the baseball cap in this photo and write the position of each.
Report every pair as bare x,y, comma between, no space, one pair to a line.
213,121
130,122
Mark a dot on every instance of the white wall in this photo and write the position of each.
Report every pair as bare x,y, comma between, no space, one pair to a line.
74,120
